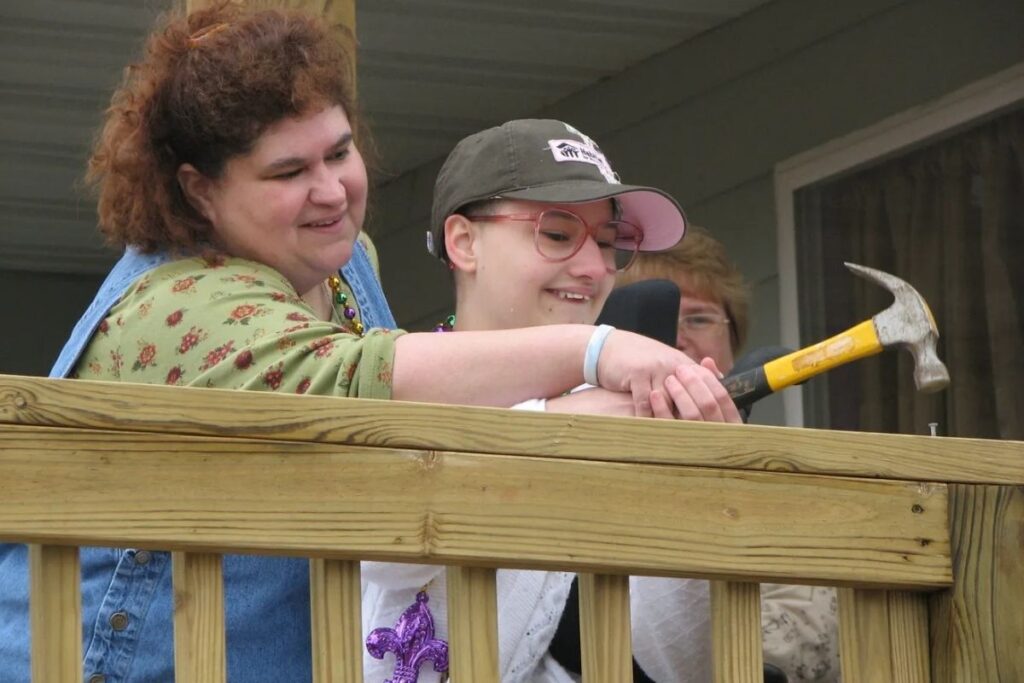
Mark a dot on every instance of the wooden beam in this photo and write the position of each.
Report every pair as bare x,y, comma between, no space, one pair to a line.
421,426
55,613
605,628
236,495
737,649
473,624
200,654
336,615
977,627
883,636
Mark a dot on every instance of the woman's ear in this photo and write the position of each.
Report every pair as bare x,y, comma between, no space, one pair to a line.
198,190
460,243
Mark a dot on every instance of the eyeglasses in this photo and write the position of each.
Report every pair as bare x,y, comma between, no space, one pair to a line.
701,323
559,234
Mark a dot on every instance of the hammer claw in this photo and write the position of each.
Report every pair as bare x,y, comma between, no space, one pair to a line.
908,322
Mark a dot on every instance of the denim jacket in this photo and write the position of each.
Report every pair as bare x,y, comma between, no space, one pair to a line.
127,634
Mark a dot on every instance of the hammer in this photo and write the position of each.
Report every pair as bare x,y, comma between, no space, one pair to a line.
907,322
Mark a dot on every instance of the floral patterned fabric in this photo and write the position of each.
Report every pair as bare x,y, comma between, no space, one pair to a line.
234,324
800,625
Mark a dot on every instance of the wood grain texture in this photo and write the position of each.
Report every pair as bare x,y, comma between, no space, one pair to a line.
421,426
472,625
908,624
883,636
55,613
336,618
605,630
737,650
977,627
199,635
228,495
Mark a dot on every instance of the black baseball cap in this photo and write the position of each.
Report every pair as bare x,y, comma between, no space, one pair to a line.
544,160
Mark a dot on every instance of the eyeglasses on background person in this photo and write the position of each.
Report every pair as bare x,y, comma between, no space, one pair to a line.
702,323
559,234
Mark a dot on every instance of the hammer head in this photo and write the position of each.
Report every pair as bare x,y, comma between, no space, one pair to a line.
908,322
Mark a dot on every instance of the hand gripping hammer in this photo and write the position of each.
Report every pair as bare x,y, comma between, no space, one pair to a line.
907,322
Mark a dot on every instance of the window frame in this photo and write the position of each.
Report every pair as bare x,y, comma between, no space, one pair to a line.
886,139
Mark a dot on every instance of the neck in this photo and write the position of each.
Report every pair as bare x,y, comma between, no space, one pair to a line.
473,316
319,299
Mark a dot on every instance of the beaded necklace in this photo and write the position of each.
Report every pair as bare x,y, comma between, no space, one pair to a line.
341,298
412,639
446,325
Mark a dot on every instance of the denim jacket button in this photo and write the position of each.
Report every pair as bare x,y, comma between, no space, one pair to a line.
142,557
97,678
119,621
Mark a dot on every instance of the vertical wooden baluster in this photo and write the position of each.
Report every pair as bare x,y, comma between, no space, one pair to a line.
605,634
908,623
977,626
738,655
336,614
199,637
883,636
55,612
472,625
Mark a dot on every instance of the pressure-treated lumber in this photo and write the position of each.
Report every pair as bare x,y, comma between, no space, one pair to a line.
737,652
336,622
55,612
472,625
396,424
605,637
977,627
236,495
883,636
199,635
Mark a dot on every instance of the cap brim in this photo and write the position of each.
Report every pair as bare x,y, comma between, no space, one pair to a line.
657,214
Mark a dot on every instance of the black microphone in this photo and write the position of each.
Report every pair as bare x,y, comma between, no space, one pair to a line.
648,307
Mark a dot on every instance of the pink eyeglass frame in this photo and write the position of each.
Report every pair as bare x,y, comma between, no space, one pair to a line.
536,219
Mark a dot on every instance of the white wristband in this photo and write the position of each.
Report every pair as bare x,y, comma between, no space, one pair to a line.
593,353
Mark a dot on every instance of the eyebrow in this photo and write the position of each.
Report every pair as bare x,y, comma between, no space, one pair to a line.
291,162
702,308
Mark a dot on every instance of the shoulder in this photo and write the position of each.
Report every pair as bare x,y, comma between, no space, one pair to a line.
188,274
371,251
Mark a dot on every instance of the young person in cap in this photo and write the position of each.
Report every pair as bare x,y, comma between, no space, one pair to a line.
534,224
228,165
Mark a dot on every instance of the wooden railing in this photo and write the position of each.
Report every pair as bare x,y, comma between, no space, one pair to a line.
925,536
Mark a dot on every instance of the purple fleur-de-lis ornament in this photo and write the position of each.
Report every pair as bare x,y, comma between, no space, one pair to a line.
412,640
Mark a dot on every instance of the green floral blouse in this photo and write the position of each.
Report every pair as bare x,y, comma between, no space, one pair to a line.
234,324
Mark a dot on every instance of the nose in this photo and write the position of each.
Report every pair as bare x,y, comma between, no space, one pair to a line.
589,262
327,187
683,341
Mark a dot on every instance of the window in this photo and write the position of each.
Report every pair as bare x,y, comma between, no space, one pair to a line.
933,196
948,218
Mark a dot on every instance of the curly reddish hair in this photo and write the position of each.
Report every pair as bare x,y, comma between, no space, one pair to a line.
207,87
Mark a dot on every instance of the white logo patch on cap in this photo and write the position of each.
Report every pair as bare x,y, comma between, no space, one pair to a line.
586,152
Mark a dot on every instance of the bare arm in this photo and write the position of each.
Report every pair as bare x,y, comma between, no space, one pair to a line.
502,368
594,401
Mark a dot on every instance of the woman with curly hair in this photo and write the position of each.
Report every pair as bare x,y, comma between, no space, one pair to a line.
229,167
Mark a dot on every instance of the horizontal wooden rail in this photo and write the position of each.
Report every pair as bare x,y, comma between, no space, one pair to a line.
348,502
341,480
395,424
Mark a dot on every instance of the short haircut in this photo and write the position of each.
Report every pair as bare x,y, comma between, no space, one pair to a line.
699,262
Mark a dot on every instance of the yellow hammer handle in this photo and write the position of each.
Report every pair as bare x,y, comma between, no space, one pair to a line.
857,342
